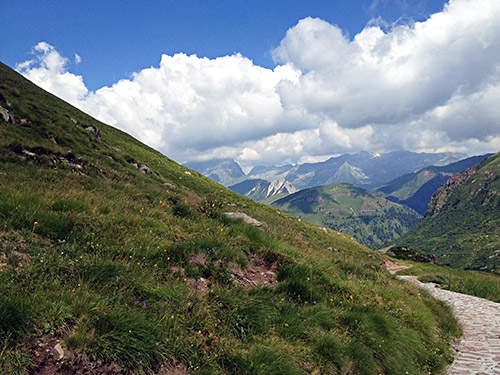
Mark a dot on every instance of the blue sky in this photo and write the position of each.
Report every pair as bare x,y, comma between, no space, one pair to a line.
117,37
270,82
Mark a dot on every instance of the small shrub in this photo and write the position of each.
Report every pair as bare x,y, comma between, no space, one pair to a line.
213,209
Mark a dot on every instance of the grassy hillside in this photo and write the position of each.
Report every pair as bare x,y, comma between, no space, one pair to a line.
369,218
415,189
116,260
462,221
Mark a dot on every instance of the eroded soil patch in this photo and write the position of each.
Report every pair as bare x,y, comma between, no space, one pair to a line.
261,271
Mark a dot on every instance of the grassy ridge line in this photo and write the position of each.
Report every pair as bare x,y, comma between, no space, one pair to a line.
99,254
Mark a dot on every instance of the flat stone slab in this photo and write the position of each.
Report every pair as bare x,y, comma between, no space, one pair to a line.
478,351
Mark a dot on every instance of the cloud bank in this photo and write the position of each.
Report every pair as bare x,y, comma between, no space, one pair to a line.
422,86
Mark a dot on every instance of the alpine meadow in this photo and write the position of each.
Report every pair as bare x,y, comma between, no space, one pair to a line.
128,263
250,188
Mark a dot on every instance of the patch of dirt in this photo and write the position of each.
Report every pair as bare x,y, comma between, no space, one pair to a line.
198,259
174,369
261,271
200,284
13,249
394,267
50,357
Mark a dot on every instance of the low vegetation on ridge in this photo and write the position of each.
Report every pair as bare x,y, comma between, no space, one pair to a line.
115,259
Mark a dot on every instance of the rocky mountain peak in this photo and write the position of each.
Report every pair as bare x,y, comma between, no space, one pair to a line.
350,173
279,186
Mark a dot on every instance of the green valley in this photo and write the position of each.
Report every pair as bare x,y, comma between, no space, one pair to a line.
369,218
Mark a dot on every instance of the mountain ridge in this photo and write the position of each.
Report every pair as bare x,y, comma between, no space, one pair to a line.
363,169
461,223
260,190
416,189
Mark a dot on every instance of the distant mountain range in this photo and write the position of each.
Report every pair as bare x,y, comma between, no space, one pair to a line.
461,225
371,219
415,189
363,169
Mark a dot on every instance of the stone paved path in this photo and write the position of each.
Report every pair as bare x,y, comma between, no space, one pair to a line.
478,351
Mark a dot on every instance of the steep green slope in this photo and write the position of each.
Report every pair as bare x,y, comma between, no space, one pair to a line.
369,218
462,220
116,260
415,189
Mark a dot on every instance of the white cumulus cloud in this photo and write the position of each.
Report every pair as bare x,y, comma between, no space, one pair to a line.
422,86
49,70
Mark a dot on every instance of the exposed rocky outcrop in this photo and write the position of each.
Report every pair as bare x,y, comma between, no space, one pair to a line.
142,167
247,219
93,130
6,115
441,196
